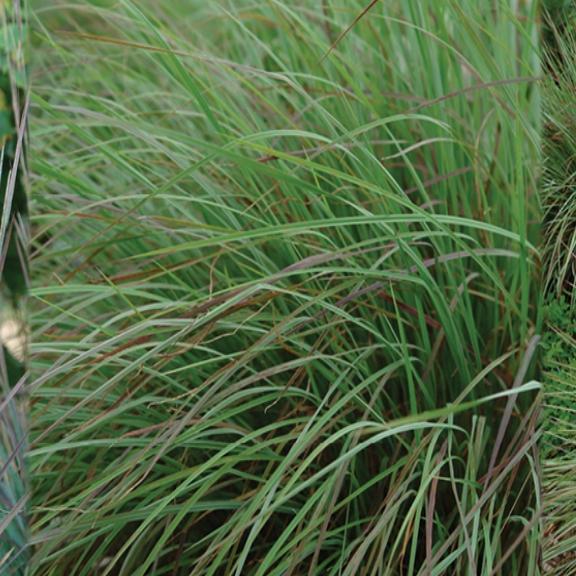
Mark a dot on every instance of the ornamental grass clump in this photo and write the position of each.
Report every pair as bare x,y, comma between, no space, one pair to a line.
285,308
559,244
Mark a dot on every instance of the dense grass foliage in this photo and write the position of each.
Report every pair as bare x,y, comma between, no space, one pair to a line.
285,308
559,198
559,189
13,286
559,440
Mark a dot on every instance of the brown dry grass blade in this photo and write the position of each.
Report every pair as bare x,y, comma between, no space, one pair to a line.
342,35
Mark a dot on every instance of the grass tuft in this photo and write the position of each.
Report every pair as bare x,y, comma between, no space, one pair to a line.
285,298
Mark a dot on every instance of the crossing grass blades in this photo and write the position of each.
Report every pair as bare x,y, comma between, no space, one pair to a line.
285,303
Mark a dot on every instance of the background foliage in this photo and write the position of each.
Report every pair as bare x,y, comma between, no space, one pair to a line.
559,361
13,288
